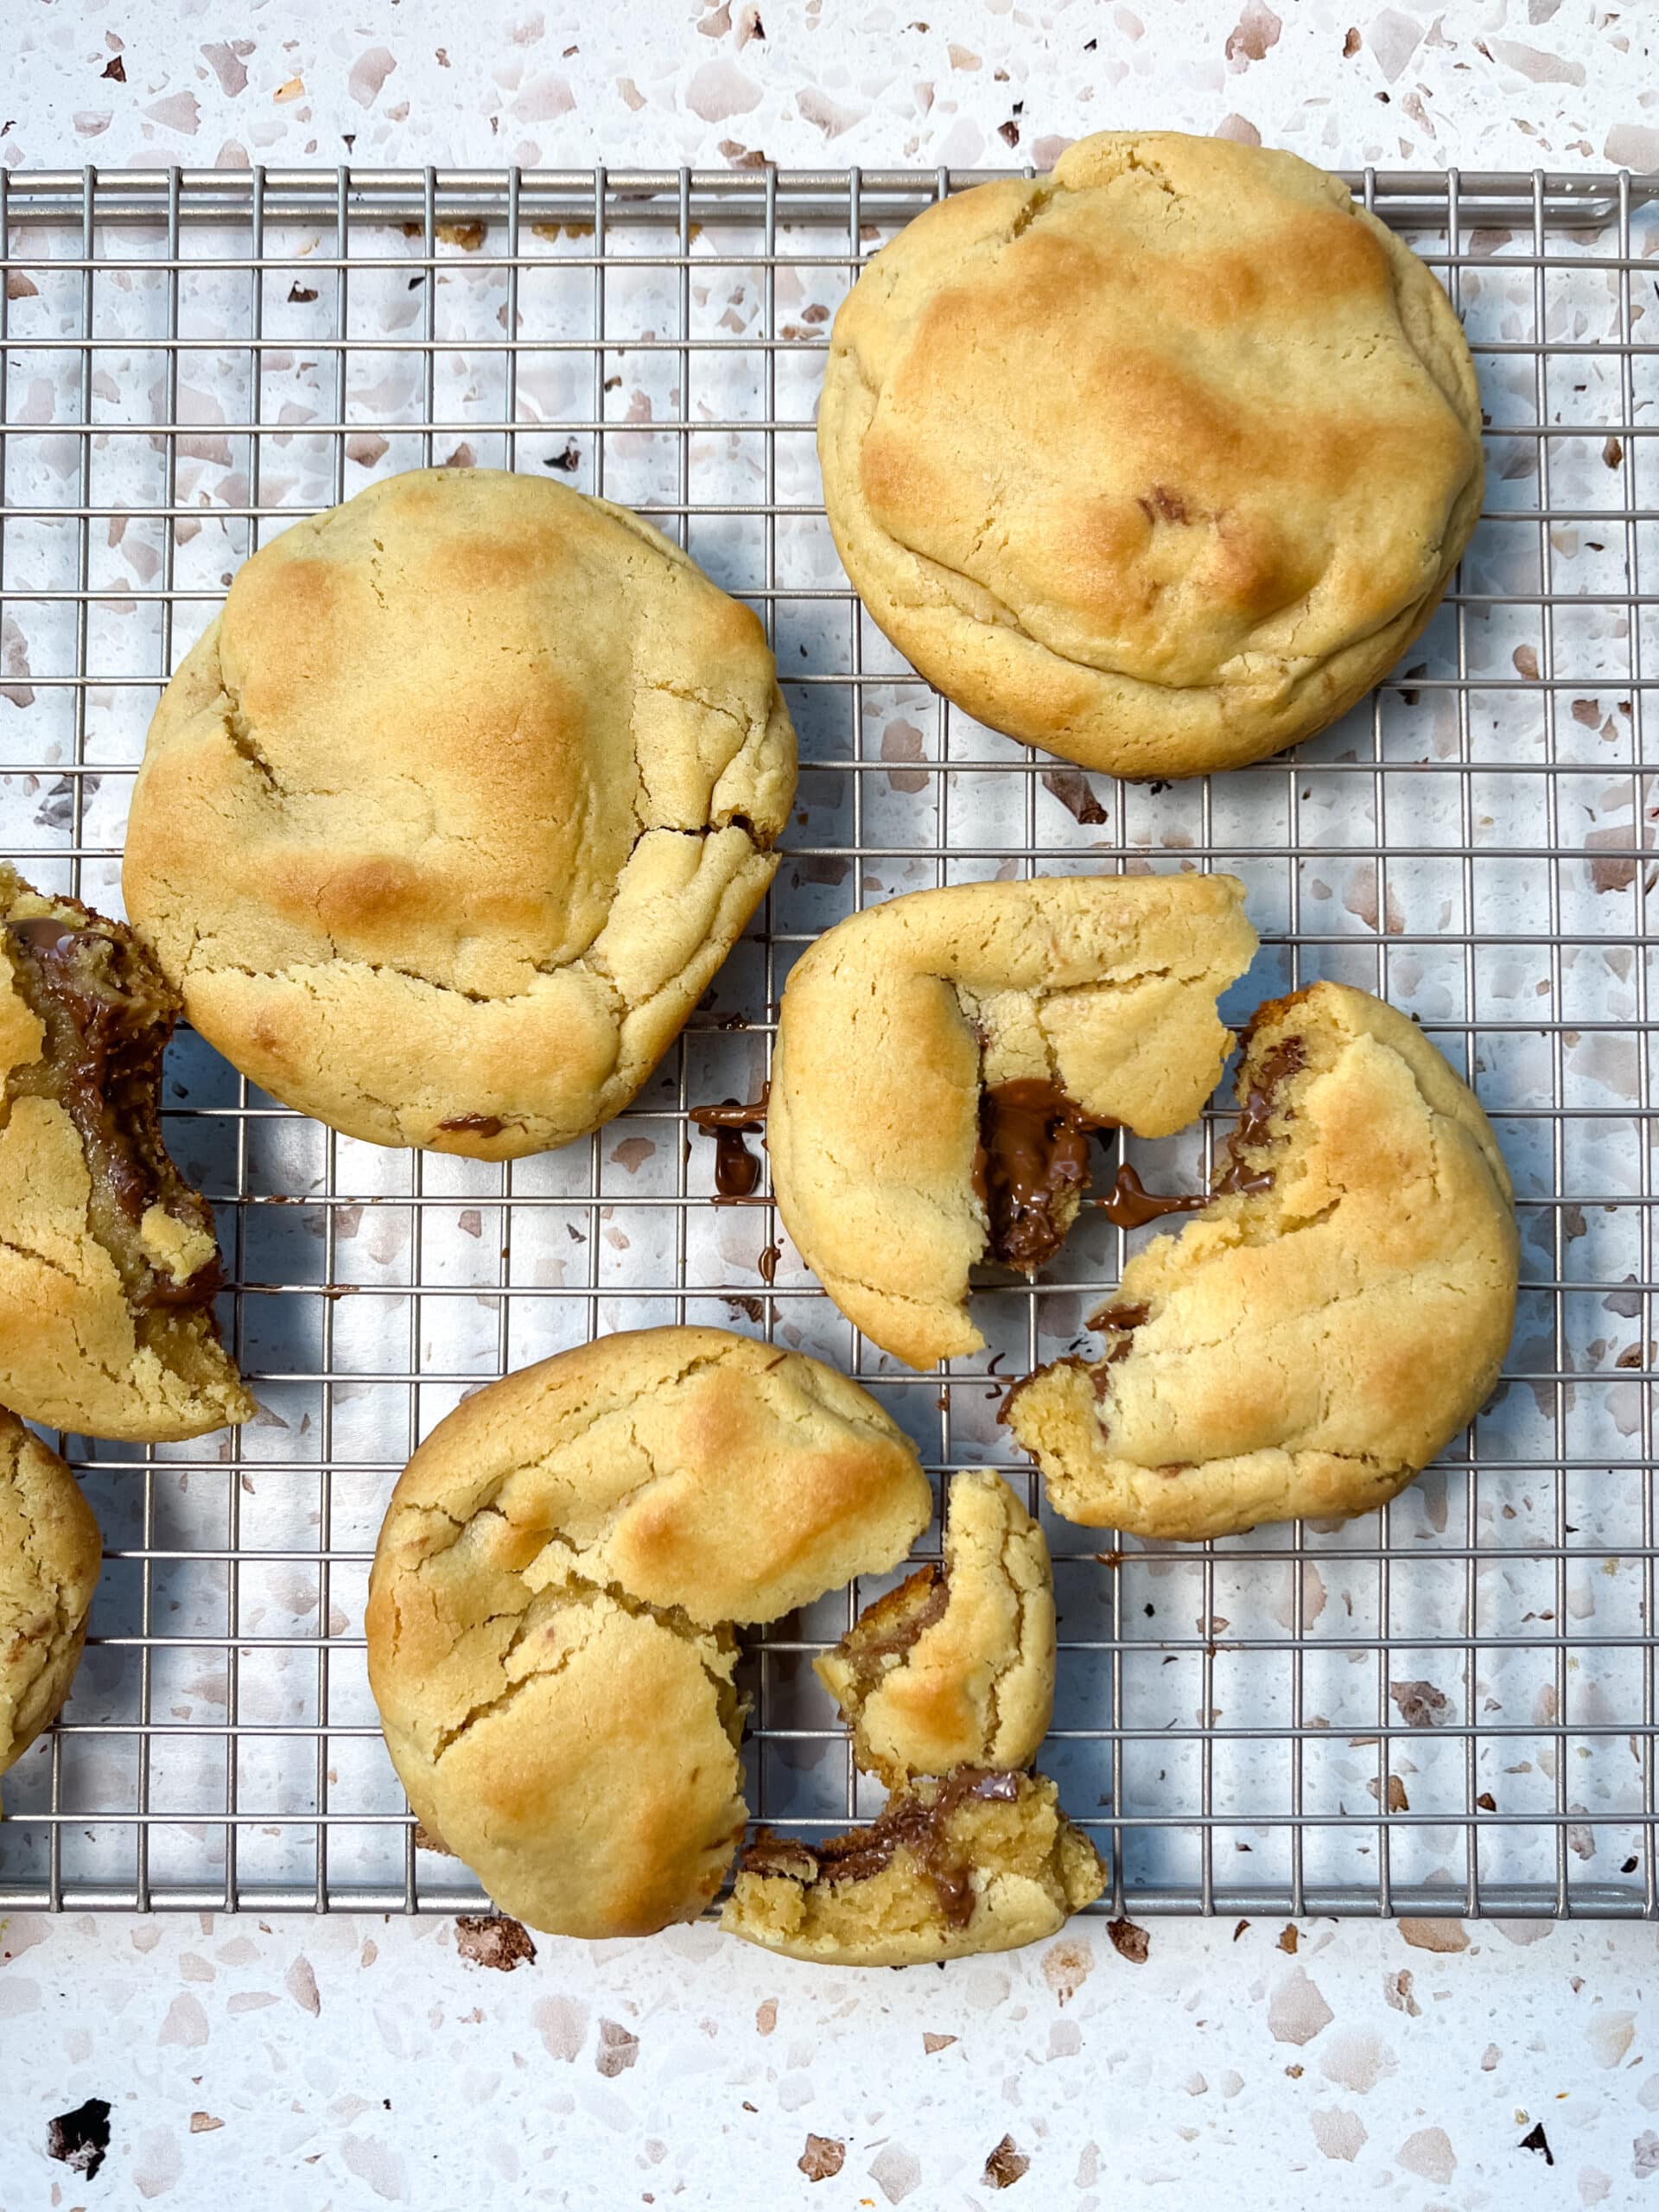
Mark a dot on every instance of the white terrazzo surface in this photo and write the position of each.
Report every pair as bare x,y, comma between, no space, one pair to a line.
354,2063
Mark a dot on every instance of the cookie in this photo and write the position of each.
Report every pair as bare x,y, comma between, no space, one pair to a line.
941,1057
552,1607
956,1667
979,1861
1159,462
447,822
109,1264
1334,1317
50,1557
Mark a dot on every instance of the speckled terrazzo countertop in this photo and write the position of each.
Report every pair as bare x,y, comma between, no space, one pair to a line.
356,2062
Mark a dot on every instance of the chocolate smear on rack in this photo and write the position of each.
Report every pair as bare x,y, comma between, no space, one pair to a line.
767,1264
1032,1156
1130,1204
737,1171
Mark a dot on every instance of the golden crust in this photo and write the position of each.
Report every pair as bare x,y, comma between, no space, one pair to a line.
50,1559
975,1687
1307,1348
1026,1867
1159,462
74,1354
447,822
550,1609
1106,984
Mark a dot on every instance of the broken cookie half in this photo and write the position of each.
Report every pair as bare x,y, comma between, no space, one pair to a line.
109,1264
947,1684
956,1667
978,1861
941,1058
1336,1314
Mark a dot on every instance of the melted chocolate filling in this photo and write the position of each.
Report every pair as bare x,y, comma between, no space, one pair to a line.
736,1169
107,1020
1033,1156
479,1125
1255,1119
893,1624
918,1825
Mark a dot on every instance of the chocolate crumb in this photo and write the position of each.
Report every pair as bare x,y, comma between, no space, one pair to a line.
1129,1941
490,1939
80,2138
823,2158
1006,2165
1535,2140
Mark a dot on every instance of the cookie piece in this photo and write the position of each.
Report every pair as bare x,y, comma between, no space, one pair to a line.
1159,462
1331,1319
50,1557
109,1264
551,1611
956,1667
447,821
941,1057
979,1861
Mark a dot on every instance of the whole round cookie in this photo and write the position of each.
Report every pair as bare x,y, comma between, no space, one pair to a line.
1328,1323
447,822
50,1557
1157,461
942,1056
109,1264
552,1607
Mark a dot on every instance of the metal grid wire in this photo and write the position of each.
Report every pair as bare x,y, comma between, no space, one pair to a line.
1448,1707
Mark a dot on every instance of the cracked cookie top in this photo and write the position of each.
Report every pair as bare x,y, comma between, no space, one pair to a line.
109,1264
553,1598
940,1060
1157,461
50,1557
448,820
1327,1324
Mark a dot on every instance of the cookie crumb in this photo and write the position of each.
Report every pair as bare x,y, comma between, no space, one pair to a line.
490,1939
1006,2164
823,2158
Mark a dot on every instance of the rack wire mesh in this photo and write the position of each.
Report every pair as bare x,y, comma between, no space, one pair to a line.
1447,1707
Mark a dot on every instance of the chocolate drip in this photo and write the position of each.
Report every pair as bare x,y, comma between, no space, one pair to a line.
107,1020
1255,1119
917,1824
1131,1206
767,1264
736,1169
1032,1154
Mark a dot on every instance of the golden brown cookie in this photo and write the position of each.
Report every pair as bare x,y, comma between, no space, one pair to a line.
50,1556
1332,1319
108,1260
956,1667
550,1610
940,1060
1159,462
447,822
979,1861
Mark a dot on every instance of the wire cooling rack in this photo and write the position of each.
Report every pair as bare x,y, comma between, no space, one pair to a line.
1446,1707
